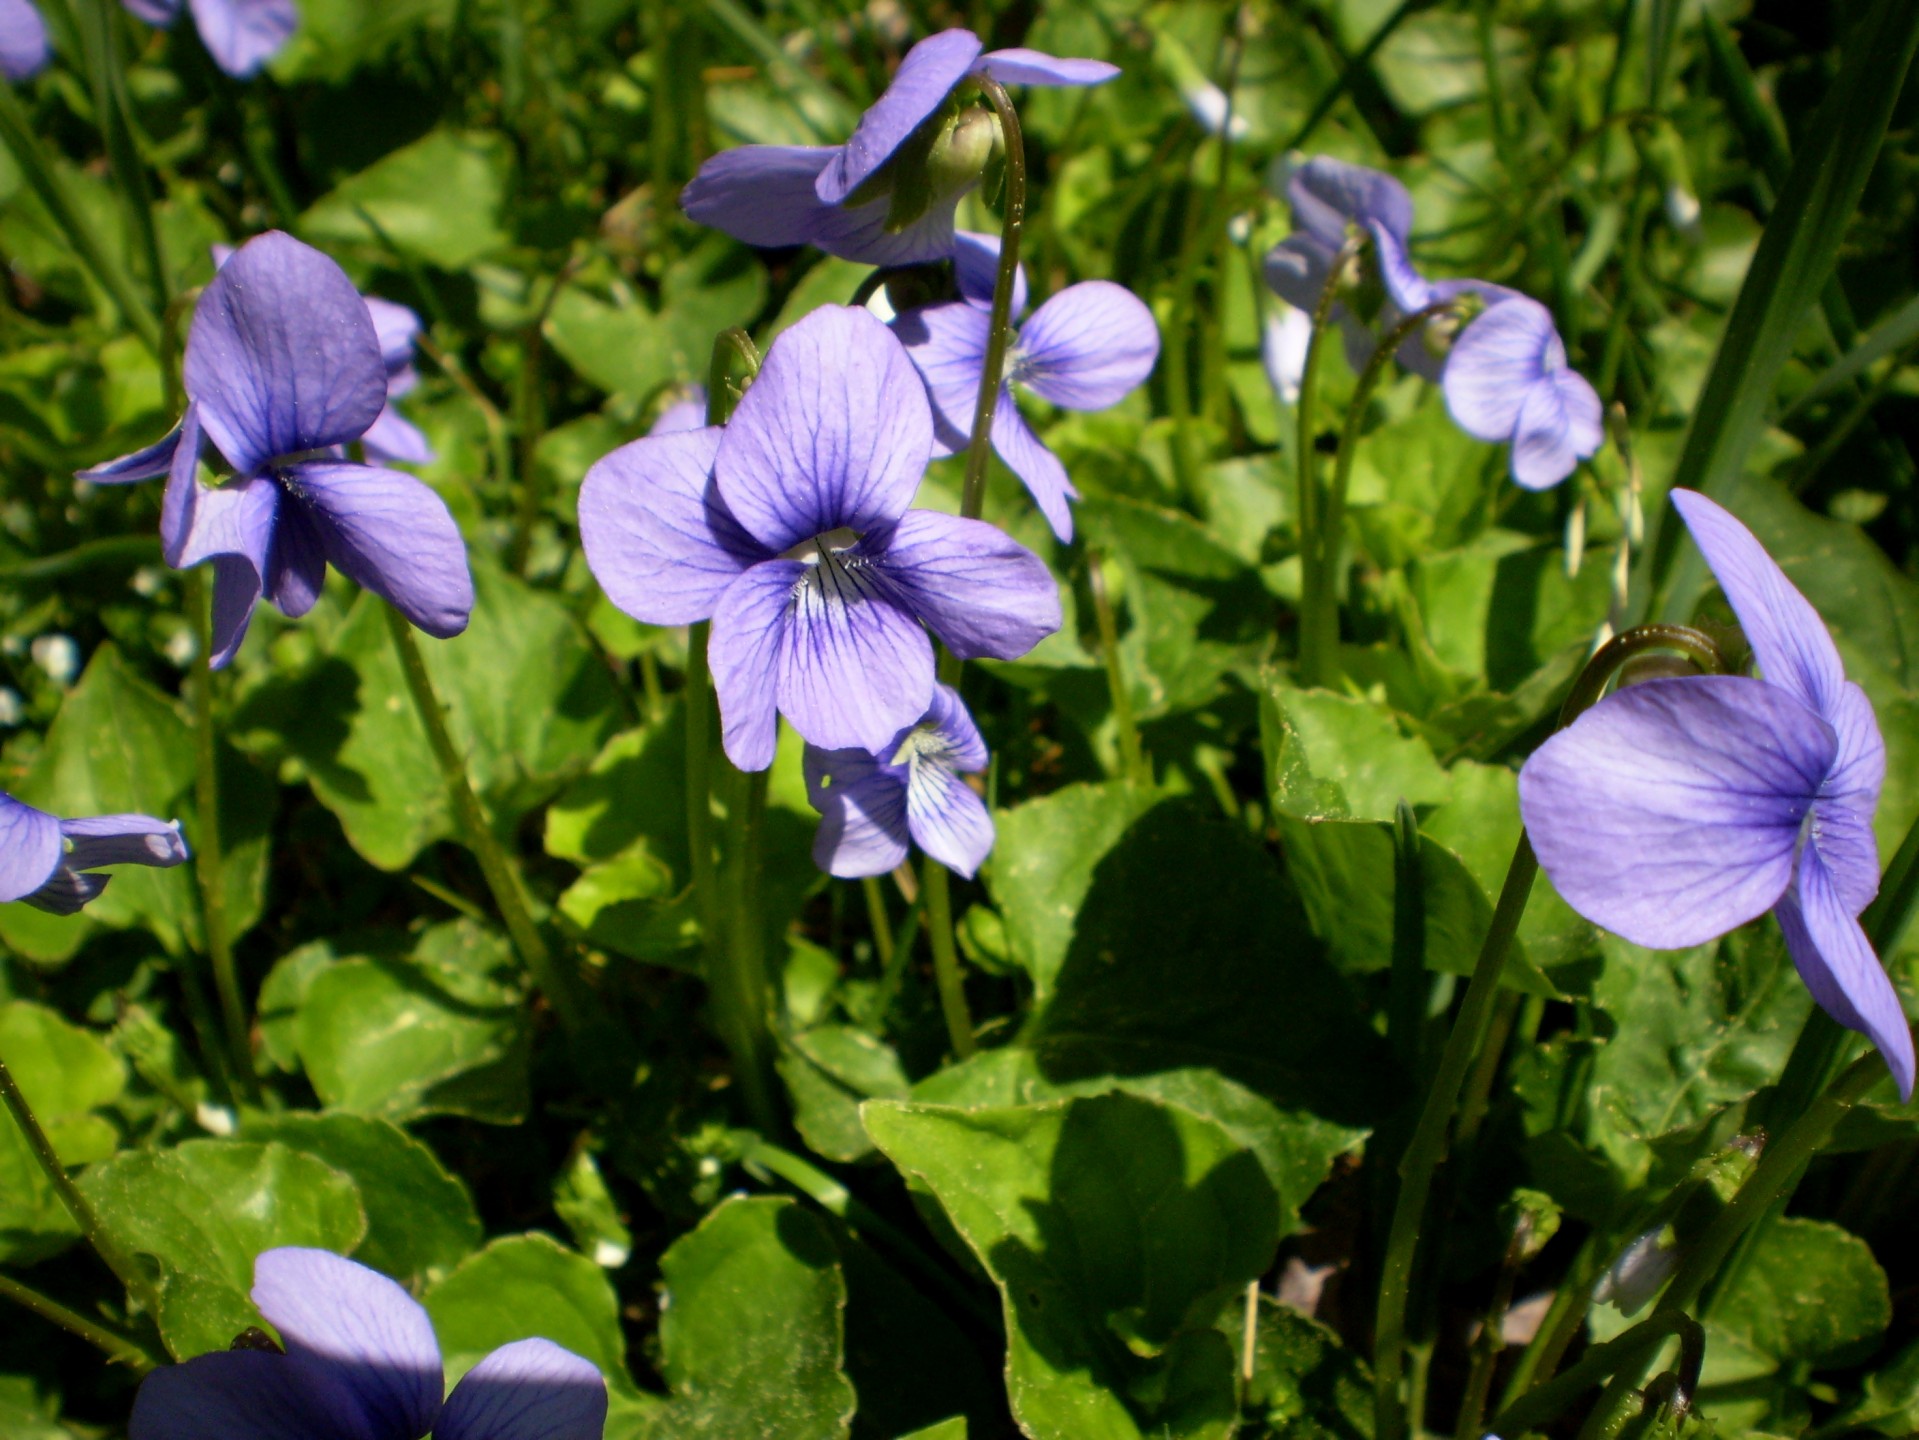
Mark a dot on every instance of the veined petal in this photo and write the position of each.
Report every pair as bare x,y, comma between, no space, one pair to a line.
749,628
947,345
30,848
1296,269
854,667
859,233
396,327
148,464
1038,468
947,820
296,566
1559,425
392,437
1842,818
925,78
949,716
862,809
236,590
976,270
1671,811
1088,347
1030,67
1835,960
122,840
1326,193
760,194
529,1390
178,502
391,533
1423,352
1494,365
232,525
23,40
282,356
835,433
658,537
242,35
368,1332
979,590
1788,638
248,1395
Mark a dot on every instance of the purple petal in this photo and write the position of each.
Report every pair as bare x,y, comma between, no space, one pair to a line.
925,78
682,415
392,438
242,35
396,327
296,566
1788,638
249,1395
1422,352
1842,819
658,537
1405,286
854,668
749,628
153,12
1494,365
1030,67
761,194
1326,194
947,820
1038,468
862,807
834,433
362,1327
1670,812
1283,341
282,356
1559,425
236,590
98,840
976,269
1835,960
1296,269
947,345
30,848
980,591
392,534
233,526
177,503
859,233
147,464
1088,347
23,40
529,1390
966,748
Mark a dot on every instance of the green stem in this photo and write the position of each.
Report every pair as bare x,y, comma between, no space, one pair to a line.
115,1345
737,980
729,345
1311,526
124,1266
1407,992
1132,755
113,113
698,699
934,883
564,989
973,496
1532,1410
876,918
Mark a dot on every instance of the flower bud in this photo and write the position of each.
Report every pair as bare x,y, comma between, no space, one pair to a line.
1638,1273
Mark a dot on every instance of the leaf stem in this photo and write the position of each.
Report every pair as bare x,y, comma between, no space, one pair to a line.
934,884
115,1345
973,496
1132,756
876,918
1312,664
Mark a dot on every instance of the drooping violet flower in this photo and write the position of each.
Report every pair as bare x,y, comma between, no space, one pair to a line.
1331,199
361,1362
283,367
24,49
1507,382
1085,349
885,197
240,35
789,528
47,861
1680,808
872,801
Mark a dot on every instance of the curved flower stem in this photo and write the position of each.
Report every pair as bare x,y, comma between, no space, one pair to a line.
876,917
115,1345
564,989
1542,1404
973,496
729,345
125,1268
1132,756
736,974
1312,537
935,884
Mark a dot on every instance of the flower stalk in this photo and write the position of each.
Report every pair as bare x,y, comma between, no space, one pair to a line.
1131,754
973,496
936,884
110,1342
1313,540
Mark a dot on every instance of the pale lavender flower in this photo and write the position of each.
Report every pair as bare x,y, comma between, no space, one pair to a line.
686,413
24,50
1507,382
240,35
1680,808
47,861
789,529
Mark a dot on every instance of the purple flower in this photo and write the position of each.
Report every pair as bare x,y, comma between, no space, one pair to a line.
1330,198
789,528
686,413
361,1362
1084,349
283,367
45,860
871,801
1506,381
1677,809
240,35
885,197
23,40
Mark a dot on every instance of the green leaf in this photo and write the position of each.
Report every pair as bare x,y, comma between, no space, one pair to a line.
337,37
25,1415
752,1326
829,1069
204,1210
1330,757
632,796
1115,1229
420,1218
1306,1384
581,1199
438,200
1808,1292
66,1073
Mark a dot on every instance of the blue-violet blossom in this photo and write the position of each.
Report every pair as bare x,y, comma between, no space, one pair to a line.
1085,349
283,367
23,40
1679,808
240,35
887,196
361,1362
47,861
1507,382
872,801
788,527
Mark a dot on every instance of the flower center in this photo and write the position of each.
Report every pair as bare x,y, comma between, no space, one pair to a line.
815,548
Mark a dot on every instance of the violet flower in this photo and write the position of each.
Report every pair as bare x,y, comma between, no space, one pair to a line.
1085,349
1507,382
24,49
872,801
361,1362
47,861
240,35
686,413
283,367
1330,199
789,528
1680,808
885,197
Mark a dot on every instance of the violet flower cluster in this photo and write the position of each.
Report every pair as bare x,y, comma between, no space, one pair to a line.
240,35
1505,377
1677,809
50,863
361,1362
